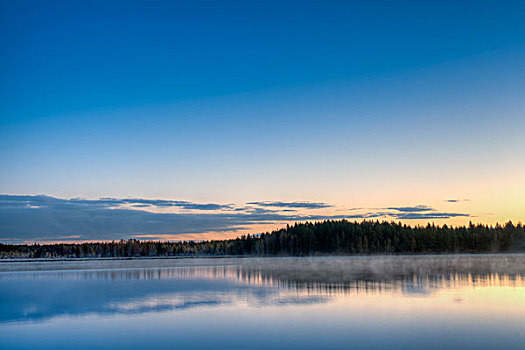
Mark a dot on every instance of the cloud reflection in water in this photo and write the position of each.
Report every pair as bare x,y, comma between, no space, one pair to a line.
123,287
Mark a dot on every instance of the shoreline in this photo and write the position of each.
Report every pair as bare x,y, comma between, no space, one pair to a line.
190,257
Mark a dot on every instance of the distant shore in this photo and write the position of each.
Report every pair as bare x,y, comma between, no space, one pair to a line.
194,257
339,237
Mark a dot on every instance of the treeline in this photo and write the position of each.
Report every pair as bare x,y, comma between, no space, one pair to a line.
303,239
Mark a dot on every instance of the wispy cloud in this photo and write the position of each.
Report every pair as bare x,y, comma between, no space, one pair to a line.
302,205
417,212
456,200
428,216
159,203
417,208
47,201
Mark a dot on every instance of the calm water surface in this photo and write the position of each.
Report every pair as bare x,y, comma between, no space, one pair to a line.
421,302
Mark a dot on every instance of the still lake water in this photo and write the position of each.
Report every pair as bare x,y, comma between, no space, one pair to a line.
377,302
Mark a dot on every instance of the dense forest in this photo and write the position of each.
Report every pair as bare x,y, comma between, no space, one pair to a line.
303,239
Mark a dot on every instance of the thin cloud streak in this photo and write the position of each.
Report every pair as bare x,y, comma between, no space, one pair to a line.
428,216
417,208
302,205
47,201
456,200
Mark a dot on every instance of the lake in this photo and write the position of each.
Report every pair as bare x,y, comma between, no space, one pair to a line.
357,302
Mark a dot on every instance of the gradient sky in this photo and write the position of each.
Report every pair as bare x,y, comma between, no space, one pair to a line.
359,106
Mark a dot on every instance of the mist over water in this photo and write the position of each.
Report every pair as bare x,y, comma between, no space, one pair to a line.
435,301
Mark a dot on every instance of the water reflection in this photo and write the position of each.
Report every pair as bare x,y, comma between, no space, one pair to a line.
123,287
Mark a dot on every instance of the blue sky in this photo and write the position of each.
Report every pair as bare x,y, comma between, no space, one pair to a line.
63,57
356,104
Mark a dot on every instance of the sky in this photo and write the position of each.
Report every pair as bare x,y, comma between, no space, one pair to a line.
202,119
